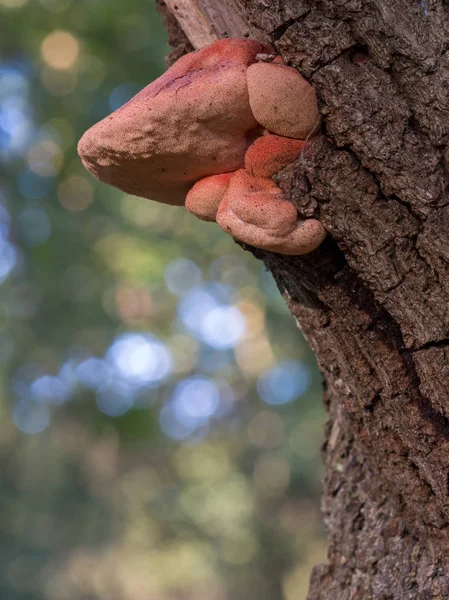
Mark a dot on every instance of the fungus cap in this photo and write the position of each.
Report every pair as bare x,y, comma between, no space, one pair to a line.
270,154
205,196
254,211
193,121
282,100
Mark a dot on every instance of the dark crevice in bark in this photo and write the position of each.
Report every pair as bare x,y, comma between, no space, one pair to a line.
277,33
439,344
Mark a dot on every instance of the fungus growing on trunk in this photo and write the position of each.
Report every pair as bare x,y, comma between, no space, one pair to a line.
186,137
204,198
193,121
270,153
255,211
282,100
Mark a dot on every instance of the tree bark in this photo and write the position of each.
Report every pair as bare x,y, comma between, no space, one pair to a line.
373,299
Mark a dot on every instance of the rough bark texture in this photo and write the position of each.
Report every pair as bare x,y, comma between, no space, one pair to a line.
373,300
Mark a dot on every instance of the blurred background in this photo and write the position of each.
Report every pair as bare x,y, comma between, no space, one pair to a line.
161,414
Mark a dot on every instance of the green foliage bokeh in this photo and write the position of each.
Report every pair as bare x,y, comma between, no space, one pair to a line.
116,482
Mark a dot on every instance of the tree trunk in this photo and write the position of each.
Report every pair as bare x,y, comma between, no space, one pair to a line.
373,299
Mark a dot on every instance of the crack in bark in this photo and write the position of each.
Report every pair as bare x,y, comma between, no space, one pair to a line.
277,33
437,344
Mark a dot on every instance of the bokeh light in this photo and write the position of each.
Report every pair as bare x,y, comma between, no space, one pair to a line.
32,185
45,158
94,373
196,399
13,3
223,327
58,83
75,193
181,275
8,259
117,399
284,383
31,418
140,359
206,313
15,111
60,50
48,389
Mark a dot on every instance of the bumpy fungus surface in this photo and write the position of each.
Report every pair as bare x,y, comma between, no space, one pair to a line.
187,136
270,154
255,212
193,121
282,100
204,198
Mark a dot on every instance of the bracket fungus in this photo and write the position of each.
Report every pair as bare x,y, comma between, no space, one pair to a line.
193,121
255,211
188,137
270,153
205,196
282,100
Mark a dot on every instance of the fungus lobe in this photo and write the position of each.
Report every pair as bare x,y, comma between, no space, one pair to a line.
282,100
164,139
